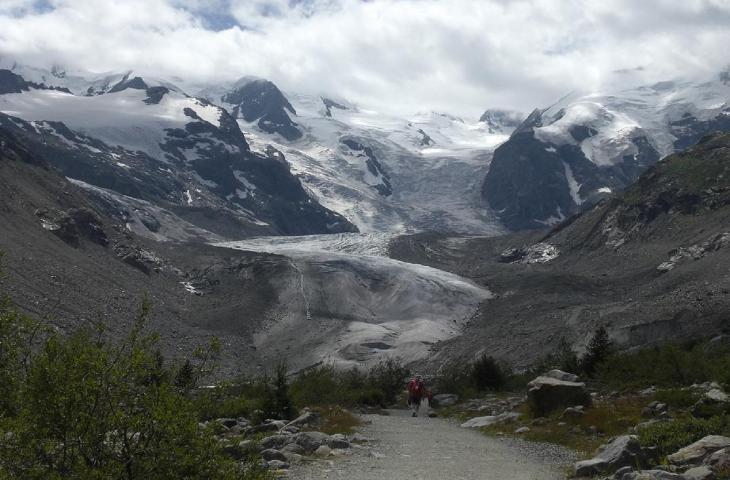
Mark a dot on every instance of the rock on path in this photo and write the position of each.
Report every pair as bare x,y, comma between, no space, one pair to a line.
436,449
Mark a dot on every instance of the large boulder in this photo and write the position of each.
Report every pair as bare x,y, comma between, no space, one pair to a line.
305,419
695,453
311,441
276,441
546,394
622,451
561,375
271,454
490,420
699,473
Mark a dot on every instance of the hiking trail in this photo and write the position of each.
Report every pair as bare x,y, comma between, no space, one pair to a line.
425,448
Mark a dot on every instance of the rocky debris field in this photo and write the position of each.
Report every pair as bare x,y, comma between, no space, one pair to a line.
631,430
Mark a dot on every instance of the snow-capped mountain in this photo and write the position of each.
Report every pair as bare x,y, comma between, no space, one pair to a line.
567,157
382,172
143,140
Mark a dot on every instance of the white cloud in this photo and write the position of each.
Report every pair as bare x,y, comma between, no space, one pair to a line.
405,55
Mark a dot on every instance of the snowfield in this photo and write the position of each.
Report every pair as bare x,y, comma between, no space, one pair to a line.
120,118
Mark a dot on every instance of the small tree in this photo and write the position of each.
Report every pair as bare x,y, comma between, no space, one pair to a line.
487,374
597,351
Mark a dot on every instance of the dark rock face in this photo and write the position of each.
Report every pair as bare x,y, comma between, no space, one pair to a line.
263,101
689,130
74,225
155,94
374,167
330,104
532,184
426,140
12,83
245,183
136,82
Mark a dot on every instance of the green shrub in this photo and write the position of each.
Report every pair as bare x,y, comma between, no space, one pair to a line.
677,397
469,378
81,407
388,376
455,377
326,385
671,436
487,374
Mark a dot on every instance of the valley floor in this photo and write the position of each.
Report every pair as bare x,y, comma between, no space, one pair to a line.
435,449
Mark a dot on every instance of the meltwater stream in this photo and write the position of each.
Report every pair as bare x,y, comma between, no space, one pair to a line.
346,302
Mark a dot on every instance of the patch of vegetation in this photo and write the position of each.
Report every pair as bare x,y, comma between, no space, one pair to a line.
78,406
666,366
677,397
671,436
325,385
468,379
336,419
581,433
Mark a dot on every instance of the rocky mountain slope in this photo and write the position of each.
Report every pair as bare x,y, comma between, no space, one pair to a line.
159,154
650,265
71,257
565,158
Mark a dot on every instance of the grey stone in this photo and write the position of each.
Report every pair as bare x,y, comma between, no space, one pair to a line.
271,454
650,475
323,451
572,412
719,460
306,418
522,430
622,451
695,453
489,420
699,473
310,441
292,448
277,465
561,375
547,394
276,441
227,422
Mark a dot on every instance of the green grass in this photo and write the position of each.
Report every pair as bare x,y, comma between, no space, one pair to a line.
610,417
671,436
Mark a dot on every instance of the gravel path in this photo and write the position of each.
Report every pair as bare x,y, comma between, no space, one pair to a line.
436,449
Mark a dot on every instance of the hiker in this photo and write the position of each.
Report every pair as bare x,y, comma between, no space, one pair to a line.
416,393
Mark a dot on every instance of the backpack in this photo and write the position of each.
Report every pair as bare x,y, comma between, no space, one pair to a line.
415,388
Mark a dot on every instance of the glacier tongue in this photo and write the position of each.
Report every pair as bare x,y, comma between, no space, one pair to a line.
344,301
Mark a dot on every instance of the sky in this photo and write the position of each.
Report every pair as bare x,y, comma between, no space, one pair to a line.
399,56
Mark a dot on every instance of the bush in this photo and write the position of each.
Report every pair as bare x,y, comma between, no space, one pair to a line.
487,374
326,385
80,407
388,377
671,436
469,378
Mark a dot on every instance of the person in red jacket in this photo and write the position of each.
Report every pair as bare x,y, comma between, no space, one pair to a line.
416,393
